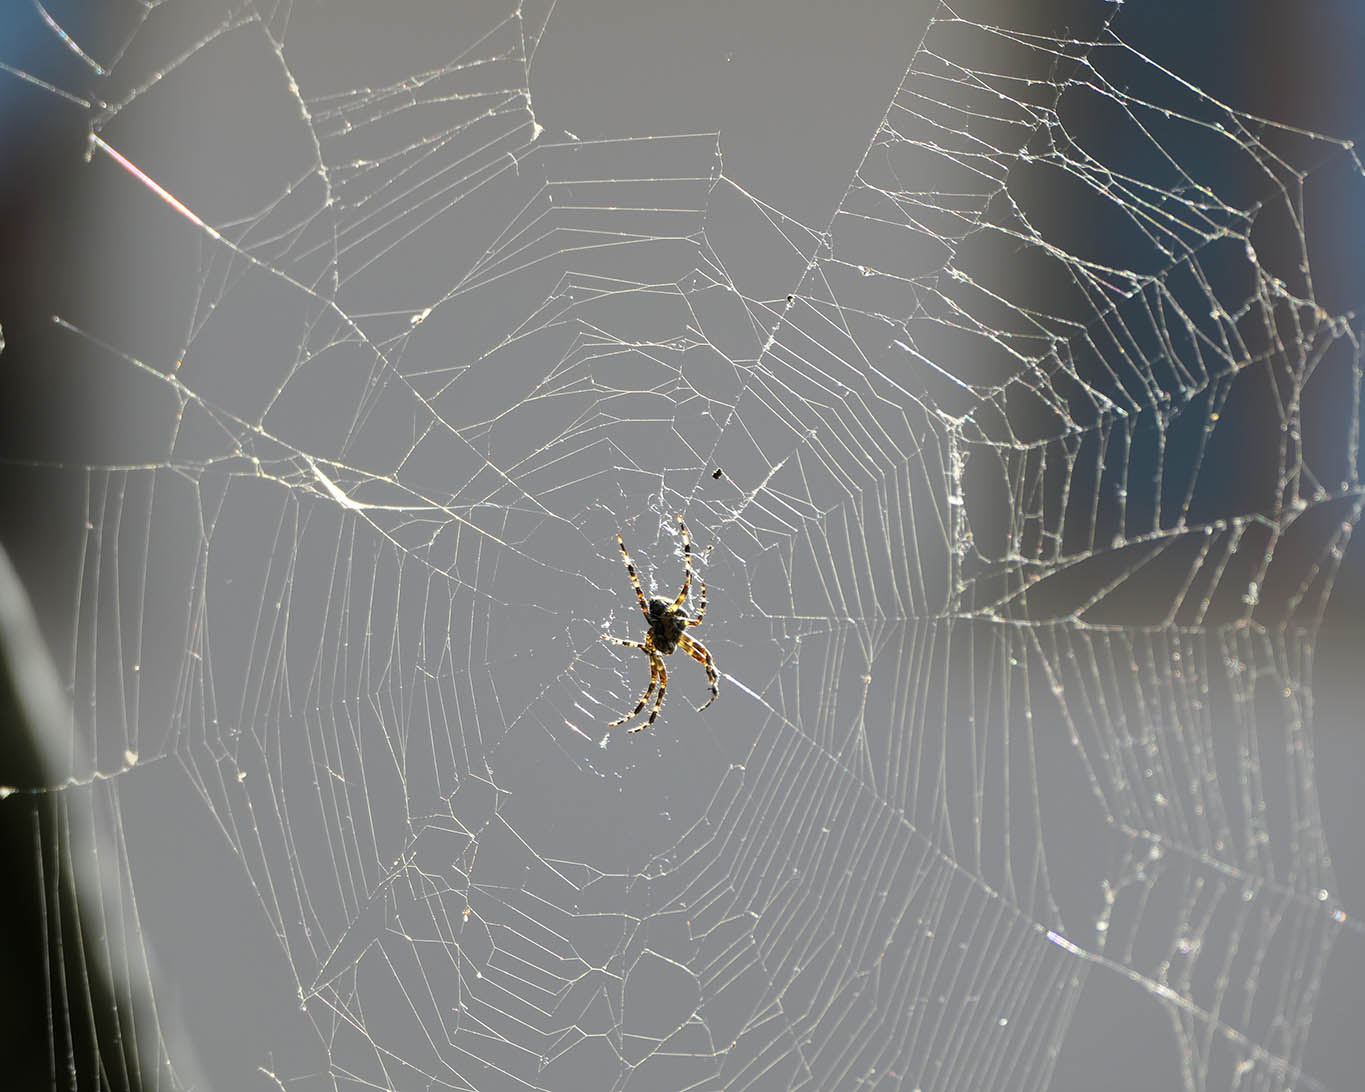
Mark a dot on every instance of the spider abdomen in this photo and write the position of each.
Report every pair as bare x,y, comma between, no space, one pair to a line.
667,624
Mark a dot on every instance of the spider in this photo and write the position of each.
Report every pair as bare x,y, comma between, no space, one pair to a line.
668,623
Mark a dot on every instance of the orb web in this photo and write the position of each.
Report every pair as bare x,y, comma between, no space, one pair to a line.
1027,468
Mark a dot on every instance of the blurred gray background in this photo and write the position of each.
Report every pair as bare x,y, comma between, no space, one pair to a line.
375,326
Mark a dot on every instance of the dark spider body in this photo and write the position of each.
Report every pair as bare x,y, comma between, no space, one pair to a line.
668,624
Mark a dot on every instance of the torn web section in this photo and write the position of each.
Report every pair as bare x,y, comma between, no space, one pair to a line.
1099,293
1215,899
1052,409
1145,800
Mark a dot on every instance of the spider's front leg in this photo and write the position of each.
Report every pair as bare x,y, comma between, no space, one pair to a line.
701,606
634,579
687,563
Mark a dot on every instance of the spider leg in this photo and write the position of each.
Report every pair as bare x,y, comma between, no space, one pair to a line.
635,580
655,664
653,676
623,641
698,652
687,562
701,606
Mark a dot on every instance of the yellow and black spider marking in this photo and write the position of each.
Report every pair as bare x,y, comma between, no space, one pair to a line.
668,624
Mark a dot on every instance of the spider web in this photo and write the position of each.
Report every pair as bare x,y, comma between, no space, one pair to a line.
1028,461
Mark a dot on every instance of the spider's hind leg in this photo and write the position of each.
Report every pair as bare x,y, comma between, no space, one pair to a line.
698,652
654,664
652,679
